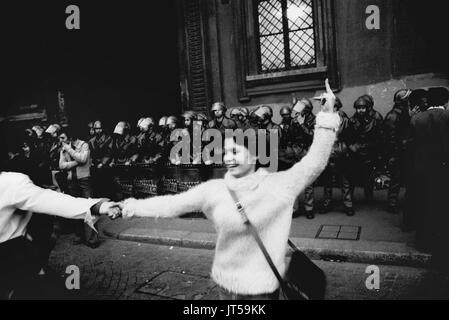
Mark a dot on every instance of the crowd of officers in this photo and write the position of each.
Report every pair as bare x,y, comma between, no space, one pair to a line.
368,147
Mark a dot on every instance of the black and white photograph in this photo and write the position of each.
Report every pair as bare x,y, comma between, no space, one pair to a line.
194,151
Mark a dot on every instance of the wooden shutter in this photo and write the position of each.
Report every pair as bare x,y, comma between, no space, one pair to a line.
198,86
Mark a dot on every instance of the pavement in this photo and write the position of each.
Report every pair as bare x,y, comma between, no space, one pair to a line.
376,235
127,270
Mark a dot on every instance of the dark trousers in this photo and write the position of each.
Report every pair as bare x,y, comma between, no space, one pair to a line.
408,223
309,192
362,174
41,229
396,168
19,265
335,172
309,198
83,188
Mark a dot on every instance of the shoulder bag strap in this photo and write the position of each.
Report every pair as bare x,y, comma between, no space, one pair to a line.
256,236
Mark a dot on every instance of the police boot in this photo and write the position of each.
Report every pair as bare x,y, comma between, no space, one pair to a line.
325,208
349,211
310,214
393,209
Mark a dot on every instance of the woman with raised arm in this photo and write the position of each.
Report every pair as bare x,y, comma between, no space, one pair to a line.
239,266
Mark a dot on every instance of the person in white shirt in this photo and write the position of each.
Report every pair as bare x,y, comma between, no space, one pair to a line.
19,199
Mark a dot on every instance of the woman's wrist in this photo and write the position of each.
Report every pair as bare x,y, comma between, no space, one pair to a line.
328,120
128,210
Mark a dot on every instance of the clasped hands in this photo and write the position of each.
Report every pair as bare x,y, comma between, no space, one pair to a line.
114,210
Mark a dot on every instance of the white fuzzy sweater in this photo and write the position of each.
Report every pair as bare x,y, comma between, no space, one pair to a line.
239,265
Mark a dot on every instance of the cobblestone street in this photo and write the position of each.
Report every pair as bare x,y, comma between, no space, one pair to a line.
130,270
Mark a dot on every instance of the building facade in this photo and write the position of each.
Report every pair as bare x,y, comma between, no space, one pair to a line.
252,52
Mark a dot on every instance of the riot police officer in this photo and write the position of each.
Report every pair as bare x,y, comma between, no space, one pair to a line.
149,143
189,117
244,118
162,124
99,145
365,139
203,121
396,128
189,125
374,114
119,146
99,149
264,116
240,116
219,120
338,167
302,130
286,115
172,124
286,154
120,151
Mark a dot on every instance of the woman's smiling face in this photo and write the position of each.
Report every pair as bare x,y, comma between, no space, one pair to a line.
238,160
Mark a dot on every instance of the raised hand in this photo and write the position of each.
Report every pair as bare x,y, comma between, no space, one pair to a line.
327,99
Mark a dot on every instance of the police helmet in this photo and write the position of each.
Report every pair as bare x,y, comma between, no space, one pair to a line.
218,106
263,112
370,100
285,111
244,111
172,120
189,115
402,95
362,102
236,112
201,117
163,121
